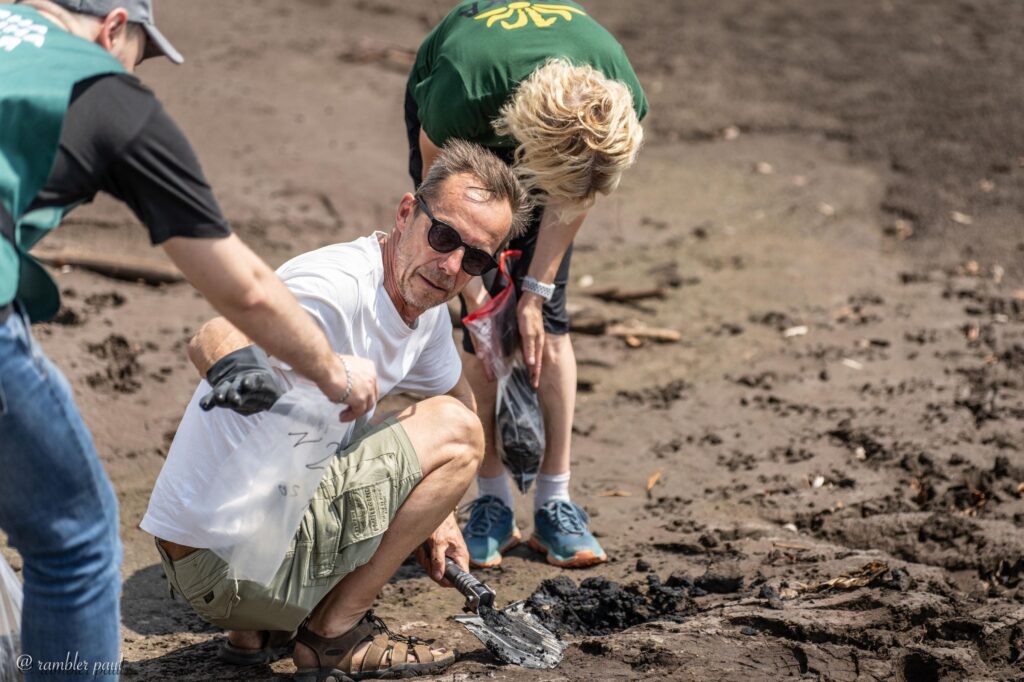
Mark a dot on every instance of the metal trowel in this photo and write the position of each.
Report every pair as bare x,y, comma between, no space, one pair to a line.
512,634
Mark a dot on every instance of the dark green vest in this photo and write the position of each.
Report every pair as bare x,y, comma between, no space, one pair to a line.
39,66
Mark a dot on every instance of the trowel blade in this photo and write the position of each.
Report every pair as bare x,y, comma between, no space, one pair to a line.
514,635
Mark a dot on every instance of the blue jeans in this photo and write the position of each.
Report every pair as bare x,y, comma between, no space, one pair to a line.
59,511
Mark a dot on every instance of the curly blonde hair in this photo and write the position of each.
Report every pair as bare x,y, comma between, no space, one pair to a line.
577,132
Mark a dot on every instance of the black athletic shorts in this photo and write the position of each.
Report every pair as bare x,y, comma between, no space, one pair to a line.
556,319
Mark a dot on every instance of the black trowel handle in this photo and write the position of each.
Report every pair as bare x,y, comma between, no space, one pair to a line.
476,593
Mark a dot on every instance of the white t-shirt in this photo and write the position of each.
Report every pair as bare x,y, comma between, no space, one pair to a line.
342,287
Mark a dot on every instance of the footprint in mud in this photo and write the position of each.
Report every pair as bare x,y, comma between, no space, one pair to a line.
71,316
123,370
658,397
102,301
737,460
763,380
774,319
862,442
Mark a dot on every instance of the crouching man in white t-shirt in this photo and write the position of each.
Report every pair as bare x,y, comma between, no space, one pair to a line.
380,300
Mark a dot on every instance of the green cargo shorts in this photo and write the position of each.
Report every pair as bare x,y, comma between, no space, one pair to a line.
342,528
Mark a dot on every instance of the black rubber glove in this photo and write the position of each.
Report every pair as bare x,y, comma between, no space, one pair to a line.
242,381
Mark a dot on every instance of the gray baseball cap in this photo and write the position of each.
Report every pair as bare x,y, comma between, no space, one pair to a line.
140,12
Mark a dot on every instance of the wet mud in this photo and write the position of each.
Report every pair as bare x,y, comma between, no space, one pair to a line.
823,479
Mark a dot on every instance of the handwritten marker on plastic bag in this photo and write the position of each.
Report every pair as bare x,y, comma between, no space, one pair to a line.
254,504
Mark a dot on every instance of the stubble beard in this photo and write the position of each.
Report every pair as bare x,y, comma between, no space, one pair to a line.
416,294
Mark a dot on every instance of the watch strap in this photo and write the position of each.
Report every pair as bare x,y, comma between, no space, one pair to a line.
545,291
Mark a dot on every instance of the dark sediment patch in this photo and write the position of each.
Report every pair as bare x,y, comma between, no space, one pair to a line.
598,606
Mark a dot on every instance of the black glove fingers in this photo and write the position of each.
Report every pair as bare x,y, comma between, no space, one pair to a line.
252,383
232,398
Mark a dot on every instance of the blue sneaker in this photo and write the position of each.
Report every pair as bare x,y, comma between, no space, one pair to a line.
490,531
560,531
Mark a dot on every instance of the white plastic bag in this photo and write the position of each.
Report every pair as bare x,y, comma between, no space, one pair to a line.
254,505
10,623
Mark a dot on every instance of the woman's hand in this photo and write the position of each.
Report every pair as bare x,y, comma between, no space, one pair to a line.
530,313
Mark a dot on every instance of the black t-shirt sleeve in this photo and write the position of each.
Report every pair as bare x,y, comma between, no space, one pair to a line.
117,138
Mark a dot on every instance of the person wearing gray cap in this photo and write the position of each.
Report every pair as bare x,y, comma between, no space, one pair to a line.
75,122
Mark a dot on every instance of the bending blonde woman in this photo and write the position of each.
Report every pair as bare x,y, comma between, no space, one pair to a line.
552,92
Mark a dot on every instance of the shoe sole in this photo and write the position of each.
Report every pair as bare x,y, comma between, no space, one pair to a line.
581,559
246,657
516,538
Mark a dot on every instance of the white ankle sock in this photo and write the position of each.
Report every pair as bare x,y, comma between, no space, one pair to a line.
497,486
551,487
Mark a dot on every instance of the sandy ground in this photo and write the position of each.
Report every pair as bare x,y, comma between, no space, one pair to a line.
831,193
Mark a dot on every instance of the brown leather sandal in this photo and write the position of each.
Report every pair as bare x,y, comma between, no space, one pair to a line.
334,655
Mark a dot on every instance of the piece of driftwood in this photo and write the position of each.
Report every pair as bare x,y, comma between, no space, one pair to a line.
653,480
619,295
639,332
614,493
588,324
117,267
863,576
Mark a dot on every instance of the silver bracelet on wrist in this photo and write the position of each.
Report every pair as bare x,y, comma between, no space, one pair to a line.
348,380
545,291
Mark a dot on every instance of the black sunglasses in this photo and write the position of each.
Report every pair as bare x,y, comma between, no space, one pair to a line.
444,238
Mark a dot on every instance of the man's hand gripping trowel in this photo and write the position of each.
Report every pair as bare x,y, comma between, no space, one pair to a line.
512,634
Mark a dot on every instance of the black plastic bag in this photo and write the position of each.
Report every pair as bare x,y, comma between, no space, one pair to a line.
519,427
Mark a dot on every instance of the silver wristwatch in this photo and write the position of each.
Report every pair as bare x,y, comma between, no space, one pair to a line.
545,291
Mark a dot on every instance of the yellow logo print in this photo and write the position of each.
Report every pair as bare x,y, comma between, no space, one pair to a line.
524,12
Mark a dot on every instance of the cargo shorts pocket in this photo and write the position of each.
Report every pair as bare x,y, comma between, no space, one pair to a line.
203,581
358,514
325,535
366,513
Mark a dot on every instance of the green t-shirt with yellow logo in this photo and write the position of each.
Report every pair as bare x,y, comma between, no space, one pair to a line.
472,61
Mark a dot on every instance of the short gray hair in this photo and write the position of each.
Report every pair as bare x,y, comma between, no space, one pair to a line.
459,157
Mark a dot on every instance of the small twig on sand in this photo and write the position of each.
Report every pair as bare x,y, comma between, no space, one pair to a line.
618,295
658,334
